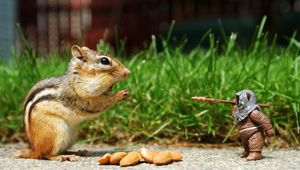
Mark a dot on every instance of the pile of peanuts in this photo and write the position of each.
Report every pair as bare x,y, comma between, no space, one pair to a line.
144,155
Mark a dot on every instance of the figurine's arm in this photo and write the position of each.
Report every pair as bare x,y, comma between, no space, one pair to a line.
233,110
259,118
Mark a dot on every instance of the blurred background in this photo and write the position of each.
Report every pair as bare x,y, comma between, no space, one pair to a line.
52,25
215,64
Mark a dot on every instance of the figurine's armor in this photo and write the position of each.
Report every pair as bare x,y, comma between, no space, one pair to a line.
250,122
244,106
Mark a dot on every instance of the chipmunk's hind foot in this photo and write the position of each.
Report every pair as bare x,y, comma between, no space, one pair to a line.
61,158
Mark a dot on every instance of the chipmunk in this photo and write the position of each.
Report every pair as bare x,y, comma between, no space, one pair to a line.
54,107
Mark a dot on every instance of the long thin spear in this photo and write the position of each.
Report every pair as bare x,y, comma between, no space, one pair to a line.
211,100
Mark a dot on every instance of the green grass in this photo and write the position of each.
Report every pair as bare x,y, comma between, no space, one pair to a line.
162,84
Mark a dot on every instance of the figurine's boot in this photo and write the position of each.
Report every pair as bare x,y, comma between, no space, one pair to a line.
256,142
244,154
254,156
246,150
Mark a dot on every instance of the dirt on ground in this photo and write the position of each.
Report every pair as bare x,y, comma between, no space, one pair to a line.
193,158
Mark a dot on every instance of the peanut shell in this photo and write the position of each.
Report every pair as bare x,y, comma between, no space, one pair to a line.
116,158
104,160
155,152
147,155
162,158
132,158
176,156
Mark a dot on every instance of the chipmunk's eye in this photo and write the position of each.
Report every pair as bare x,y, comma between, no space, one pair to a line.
104,61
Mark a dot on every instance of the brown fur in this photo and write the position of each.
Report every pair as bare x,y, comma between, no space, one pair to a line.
54,107
42,138
253,140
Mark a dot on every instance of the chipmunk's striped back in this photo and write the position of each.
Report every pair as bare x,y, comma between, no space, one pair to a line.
44,90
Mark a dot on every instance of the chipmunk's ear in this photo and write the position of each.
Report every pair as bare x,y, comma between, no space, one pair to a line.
79,53
248,96
85,48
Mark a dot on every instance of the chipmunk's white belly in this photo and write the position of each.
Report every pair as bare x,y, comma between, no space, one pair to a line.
66,137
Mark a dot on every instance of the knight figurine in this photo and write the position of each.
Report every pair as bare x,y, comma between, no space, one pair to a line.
252,124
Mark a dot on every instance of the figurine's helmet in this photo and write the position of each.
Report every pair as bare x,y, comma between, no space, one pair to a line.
245,103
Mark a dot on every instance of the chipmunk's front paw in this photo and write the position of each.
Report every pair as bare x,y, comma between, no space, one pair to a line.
122,94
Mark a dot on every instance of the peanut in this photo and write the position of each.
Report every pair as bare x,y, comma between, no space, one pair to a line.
116,158
104,160
147,155
176,156
132,158
162,158
154,153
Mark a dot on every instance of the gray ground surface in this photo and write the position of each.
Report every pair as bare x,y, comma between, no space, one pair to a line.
194,158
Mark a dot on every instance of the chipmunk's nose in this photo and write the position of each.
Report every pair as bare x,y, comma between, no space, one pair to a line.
126,72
